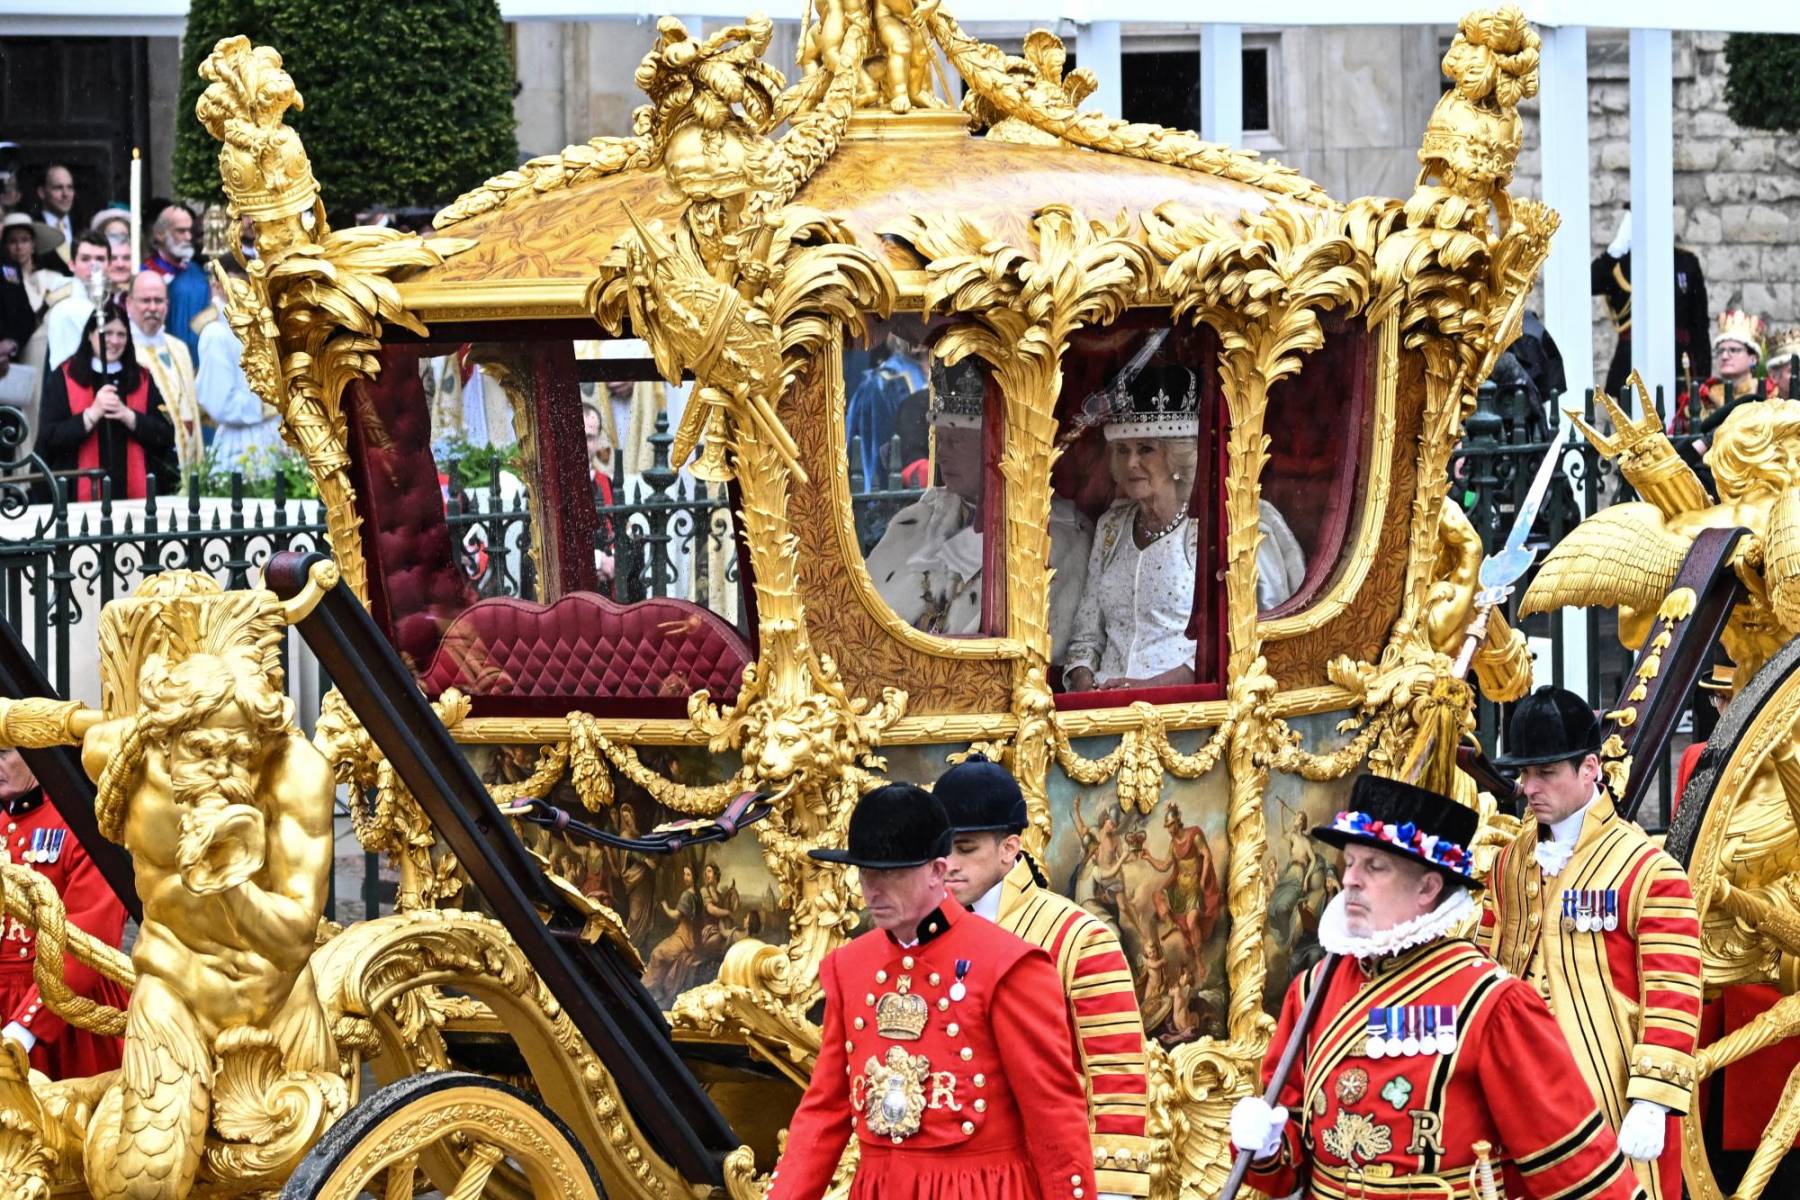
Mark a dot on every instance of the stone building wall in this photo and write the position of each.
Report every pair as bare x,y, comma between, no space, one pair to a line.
1737,190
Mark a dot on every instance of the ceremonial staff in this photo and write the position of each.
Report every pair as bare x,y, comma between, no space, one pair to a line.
1499,575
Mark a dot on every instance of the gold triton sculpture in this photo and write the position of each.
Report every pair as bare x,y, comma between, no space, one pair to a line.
750,232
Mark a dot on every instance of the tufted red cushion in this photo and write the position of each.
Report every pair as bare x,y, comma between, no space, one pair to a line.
586,645
415,583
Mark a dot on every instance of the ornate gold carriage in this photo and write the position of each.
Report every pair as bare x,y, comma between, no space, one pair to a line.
1334,350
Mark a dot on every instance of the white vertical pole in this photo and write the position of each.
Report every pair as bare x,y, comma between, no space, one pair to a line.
1099,47
1653,209
1222,84
1568,304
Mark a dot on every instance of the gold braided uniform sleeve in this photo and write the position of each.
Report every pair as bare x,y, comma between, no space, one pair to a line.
1668,962
1109,1035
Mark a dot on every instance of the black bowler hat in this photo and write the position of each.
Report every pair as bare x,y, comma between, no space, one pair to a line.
899,825
981,797
1551,725
1432,830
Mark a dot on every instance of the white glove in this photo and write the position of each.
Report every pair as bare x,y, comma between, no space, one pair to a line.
1620,246
1257,1127
1641,1132
20,1034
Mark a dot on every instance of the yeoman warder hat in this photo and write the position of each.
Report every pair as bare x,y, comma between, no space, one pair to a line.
1551,725
1432,830
981,797
896,826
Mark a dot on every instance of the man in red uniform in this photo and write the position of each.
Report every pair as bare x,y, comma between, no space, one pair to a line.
36,835
1422,1046
992,876
939,1030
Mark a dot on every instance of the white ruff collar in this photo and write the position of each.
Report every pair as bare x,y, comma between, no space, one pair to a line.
1336,937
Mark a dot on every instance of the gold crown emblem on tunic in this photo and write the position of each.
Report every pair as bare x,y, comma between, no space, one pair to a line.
901,1016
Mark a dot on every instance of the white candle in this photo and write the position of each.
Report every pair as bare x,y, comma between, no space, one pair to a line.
137,207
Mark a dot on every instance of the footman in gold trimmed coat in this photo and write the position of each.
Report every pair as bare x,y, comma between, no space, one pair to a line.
1423,1046
1602,923
994,878
941,1031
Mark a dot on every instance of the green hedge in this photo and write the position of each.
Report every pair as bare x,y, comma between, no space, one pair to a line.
406,104
1763,91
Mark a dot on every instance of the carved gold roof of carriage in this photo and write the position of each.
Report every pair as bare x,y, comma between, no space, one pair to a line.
543,232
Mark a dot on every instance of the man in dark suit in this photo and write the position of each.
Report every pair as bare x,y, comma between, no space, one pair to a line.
56,208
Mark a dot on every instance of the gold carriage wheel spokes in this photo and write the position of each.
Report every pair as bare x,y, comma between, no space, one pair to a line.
471,1136
1760,721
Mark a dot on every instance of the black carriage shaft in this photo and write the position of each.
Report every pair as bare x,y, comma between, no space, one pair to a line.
58,769
599,990
1707,570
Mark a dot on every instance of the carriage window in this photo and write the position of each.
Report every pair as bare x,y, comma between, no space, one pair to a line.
1318,423
922,439
1136,604
549,555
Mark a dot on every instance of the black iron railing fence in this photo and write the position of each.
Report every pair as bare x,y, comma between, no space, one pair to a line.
1504,441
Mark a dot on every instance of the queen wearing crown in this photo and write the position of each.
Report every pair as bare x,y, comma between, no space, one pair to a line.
1131,628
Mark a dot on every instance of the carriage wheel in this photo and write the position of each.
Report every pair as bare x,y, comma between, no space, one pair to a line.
471,1136
1739,811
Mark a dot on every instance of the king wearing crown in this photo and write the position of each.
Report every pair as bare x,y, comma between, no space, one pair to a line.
941,1030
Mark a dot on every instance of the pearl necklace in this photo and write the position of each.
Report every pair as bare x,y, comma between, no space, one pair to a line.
1166,530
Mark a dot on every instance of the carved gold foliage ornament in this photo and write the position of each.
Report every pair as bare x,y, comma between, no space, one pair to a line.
1016,308
1031,92
310,314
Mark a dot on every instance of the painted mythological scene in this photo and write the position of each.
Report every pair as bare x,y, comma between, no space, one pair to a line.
682,911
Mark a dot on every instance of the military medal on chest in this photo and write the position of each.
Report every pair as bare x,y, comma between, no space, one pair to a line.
1409,1030
46,845
1590,910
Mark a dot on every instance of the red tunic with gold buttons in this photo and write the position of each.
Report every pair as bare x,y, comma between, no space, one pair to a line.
1403,1126
931,1054
34,830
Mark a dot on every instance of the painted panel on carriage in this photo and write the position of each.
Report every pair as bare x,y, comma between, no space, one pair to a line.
682,912
1160,879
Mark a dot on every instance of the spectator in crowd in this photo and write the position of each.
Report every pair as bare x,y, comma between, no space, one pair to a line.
37,836
1610,277
1737,346
102,412
1784,356
167,360
62,324
249,431
189,293
25,242
599,450
56,203
873,408
9,186
119,269
115,223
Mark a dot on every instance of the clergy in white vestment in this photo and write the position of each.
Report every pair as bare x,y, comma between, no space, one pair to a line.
248,440
171,367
